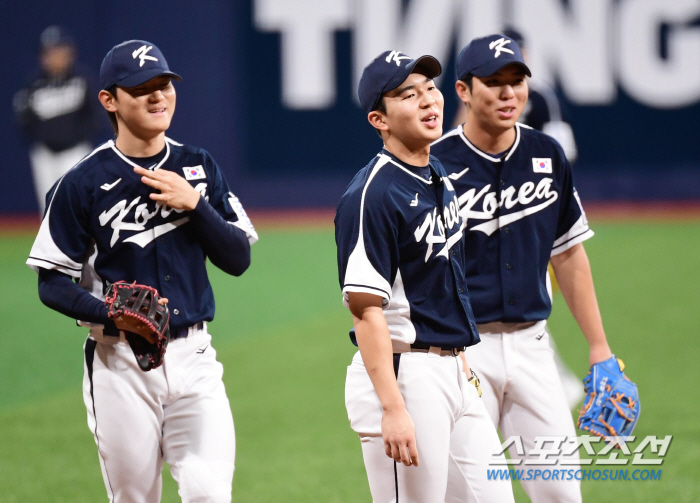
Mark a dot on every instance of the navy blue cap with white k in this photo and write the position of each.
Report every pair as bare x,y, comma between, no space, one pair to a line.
486,55
132,63
387,71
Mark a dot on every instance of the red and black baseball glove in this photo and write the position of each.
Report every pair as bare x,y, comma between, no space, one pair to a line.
138,307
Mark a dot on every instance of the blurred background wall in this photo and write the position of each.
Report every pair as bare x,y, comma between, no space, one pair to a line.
269,85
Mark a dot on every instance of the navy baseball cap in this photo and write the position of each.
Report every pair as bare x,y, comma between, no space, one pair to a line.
388,71
132,63
486,55
55,36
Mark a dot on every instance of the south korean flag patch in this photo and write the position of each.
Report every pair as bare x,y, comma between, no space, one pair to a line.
541,165
194,173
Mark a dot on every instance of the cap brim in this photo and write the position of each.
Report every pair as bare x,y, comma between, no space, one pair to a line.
144,76
426,65
493,66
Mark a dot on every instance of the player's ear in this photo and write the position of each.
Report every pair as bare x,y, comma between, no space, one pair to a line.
463,92
108,101
378,120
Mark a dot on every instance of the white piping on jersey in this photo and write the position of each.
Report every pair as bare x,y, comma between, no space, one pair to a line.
578,233
89,279
452,132
358,262
128,161
428,182
45,253
457,176
484,154
170,140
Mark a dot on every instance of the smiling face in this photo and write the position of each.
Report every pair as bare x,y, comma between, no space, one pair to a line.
144,110
413,112
496,102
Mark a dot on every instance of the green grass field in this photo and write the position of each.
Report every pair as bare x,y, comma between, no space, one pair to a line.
281,333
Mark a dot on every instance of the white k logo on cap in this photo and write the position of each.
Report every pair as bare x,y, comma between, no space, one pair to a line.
142,54
500,46
395,56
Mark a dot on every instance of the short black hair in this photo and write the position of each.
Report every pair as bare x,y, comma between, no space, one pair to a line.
468,79
113,116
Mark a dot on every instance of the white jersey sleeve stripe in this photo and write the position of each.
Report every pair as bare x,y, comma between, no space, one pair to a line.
578,233
360,275
47,255
243,221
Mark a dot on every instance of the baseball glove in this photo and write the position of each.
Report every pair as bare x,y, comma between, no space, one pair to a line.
611,406
139,305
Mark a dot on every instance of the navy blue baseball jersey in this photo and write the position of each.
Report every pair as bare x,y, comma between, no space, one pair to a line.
520,209
400,236
100,226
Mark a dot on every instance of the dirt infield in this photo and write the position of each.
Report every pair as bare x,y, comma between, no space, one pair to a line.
323,218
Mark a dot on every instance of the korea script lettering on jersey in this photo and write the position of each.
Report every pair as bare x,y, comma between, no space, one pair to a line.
520,210
101,226
400,237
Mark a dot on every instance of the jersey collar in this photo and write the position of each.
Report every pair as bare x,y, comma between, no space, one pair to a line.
408,168
133,164
487,156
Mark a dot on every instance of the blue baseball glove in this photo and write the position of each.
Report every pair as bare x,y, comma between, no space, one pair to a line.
611,406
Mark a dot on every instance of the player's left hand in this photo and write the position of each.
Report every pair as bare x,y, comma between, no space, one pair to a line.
611,407
175,191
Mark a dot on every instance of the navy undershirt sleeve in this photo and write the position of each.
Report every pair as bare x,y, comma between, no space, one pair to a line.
226,246
59,292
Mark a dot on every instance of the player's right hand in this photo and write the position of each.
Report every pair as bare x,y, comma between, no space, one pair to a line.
399,435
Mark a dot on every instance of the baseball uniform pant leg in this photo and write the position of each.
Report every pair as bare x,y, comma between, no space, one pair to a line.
437,397
125,416
48,166
198,432
522,390
473,446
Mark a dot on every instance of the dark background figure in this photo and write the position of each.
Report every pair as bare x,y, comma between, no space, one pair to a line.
57,111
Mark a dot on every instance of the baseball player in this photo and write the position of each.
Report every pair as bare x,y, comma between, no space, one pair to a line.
409,393
57,111
543,110
146,208
516,193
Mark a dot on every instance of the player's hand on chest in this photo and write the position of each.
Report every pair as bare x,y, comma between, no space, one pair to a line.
170,188
125,204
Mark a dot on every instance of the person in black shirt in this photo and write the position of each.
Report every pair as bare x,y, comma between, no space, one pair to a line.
56,111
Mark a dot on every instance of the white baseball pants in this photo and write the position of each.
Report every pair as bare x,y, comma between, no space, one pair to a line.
178,413
48,166
523,394
454,436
